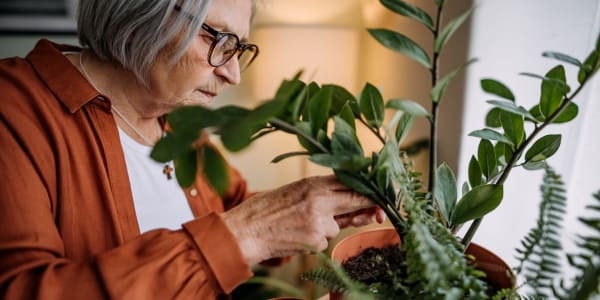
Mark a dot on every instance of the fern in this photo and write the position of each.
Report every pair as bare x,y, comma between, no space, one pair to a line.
539,259
587,262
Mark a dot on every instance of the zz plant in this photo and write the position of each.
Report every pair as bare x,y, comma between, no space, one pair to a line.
324,118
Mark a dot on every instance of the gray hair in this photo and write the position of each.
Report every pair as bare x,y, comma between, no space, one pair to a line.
132,33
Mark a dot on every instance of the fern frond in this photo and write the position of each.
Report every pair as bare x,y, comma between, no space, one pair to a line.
587,282
325,278
539,257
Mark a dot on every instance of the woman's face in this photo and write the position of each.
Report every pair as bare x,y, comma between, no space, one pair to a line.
193,80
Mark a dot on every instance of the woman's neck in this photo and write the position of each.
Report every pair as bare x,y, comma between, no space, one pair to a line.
129,98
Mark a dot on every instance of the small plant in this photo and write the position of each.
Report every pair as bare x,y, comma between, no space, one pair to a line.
325,117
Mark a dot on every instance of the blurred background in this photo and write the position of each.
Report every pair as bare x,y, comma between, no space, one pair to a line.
327,39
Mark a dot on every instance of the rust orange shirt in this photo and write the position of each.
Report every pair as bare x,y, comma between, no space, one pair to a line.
68,228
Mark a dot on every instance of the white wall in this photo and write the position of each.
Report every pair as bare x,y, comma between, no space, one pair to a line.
508,37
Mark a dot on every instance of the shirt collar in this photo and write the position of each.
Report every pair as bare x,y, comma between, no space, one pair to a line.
60,76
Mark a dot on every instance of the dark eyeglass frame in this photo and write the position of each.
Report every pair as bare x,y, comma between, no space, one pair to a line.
240,48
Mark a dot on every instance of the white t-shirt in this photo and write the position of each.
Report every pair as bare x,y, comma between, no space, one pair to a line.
159,202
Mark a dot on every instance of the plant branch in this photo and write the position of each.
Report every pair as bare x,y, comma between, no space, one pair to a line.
293,129
373,130
433,149
510,165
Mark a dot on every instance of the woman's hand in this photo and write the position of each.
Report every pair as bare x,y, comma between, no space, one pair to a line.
298,217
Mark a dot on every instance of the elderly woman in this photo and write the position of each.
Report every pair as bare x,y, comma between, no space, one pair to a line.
86,214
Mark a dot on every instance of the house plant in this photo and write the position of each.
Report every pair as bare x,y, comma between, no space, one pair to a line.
425,218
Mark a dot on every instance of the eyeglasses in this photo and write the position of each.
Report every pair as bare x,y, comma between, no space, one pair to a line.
227,45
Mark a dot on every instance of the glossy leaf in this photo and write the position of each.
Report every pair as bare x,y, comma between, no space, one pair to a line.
450,29
318,109
185,168
408,106
405,9
492,118
504,153
486,156
534,165
193,118
552,95
562,57
568,114
402,44
514,127
477,203
215,169
511,107
340,97
404,125
340,162
490,134
371,105
344,140
475,174
590,66
565,116
445,190
305,127
347,115
354,182
438,90
497,88
283,156
543,148
170,147
559,84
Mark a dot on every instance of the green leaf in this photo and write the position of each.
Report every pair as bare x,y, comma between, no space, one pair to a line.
543,148
590,66
492,119
371,105
305,127
170,147
404,125
344,140
408,106
475,174
347,115
445,190
340,97
504,153
405,9
450,29
185,168
534,165
552,94
215,170
402,44
477,203
510,106
283,156
351,181
438,90
568,114
490,134
514,127
486,156
343,162
559,84
318,109
497,88
562,57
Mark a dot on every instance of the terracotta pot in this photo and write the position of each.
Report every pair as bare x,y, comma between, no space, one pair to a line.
496,269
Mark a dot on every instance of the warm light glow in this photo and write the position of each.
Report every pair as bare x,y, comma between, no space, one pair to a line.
326,54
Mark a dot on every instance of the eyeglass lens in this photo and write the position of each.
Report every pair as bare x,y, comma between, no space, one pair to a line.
227,46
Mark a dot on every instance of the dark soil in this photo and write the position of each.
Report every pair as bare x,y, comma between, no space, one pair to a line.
374,264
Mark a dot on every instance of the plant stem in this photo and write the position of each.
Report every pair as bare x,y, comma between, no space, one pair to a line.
373,130
510,165
293,129
433,147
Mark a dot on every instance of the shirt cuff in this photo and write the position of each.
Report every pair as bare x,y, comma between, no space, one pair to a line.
220,250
